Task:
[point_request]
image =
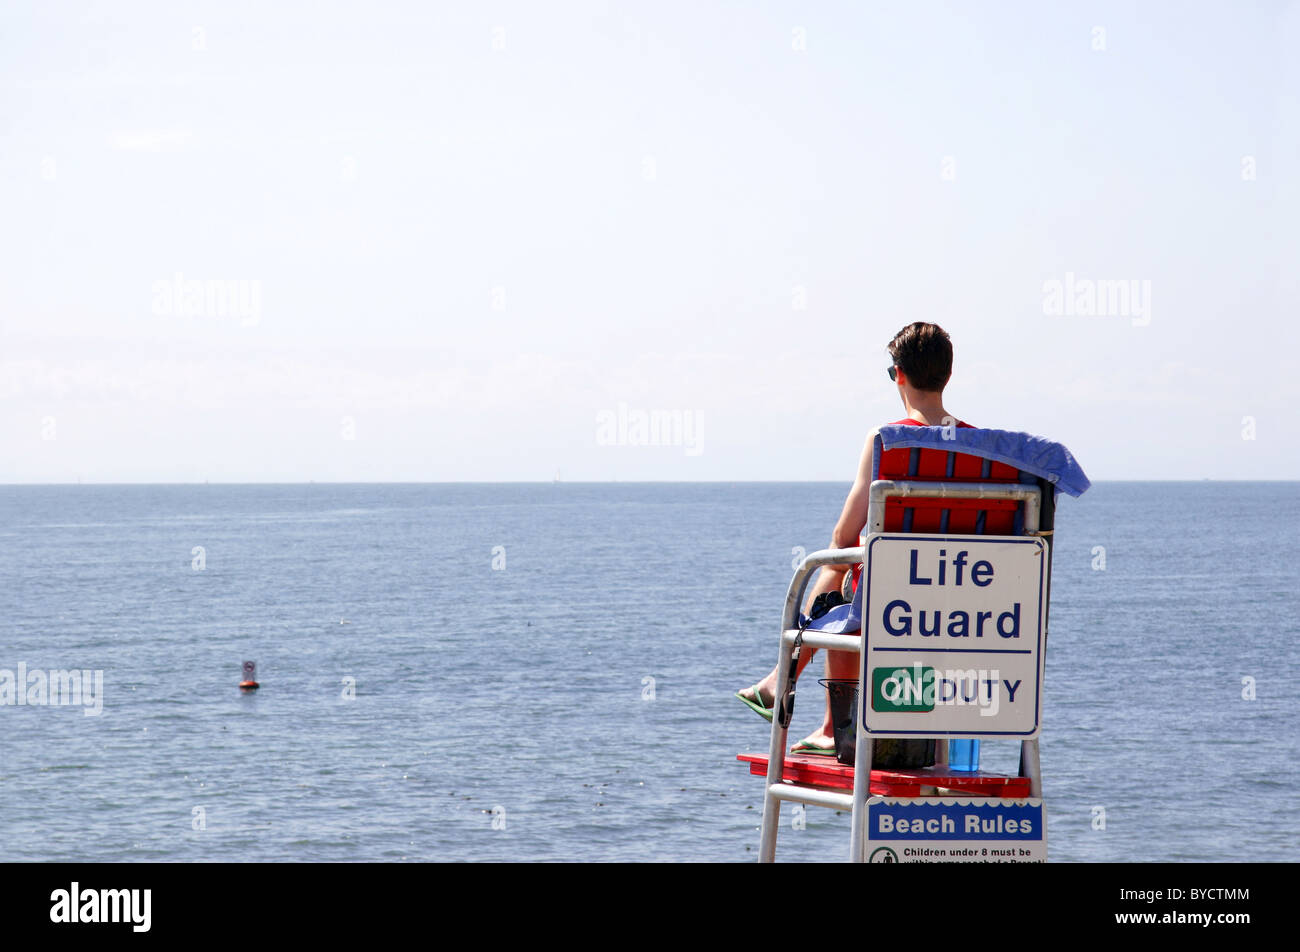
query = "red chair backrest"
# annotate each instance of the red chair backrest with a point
(949, 516)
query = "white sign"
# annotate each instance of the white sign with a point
(953, 830)
(954, 630)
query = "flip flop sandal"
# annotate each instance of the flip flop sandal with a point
(755, 703)
(805, 748)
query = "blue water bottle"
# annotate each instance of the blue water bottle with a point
(964, 755)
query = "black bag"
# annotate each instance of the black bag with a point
(888, 753)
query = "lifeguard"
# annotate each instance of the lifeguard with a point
(921, 366)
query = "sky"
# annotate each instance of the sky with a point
(248, 242)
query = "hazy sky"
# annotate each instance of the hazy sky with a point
(485, 241)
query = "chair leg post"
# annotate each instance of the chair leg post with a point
(1031, 768)
(775, 760)
(861, 794)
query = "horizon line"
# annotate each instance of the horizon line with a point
(571, 482)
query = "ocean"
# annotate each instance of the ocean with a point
(537, 672)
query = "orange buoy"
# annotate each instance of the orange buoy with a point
(250, 677)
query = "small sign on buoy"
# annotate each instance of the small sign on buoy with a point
(250, 677)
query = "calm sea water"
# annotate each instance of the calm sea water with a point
(572, 703)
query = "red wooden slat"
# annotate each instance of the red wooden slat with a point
(932, 465)
(967, 468)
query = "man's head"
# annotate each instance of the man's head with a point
(924, 353)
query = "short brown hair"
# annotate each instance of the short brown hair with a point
(923, 352)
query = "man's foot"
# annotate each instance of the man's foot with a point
(753, 698)
(815, 744)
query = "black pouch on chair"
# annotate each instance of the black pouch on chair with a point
(825, 602)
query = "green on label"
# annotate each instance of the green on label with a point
(905, 690)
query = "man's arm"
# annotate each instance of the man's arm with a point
(854, 515)
(847, 530)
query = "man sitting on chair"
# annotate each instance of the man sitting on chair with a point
(922, 364)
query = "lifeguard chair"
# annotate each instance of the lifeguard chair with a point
(958, 519)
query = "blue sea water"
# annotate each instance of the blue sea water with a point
(536, 678)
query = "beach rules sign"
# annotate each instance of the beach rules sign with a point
(954, 629)
(955, 830)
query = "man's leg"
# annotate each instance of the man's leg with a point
(840, 666)
(829, 579)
